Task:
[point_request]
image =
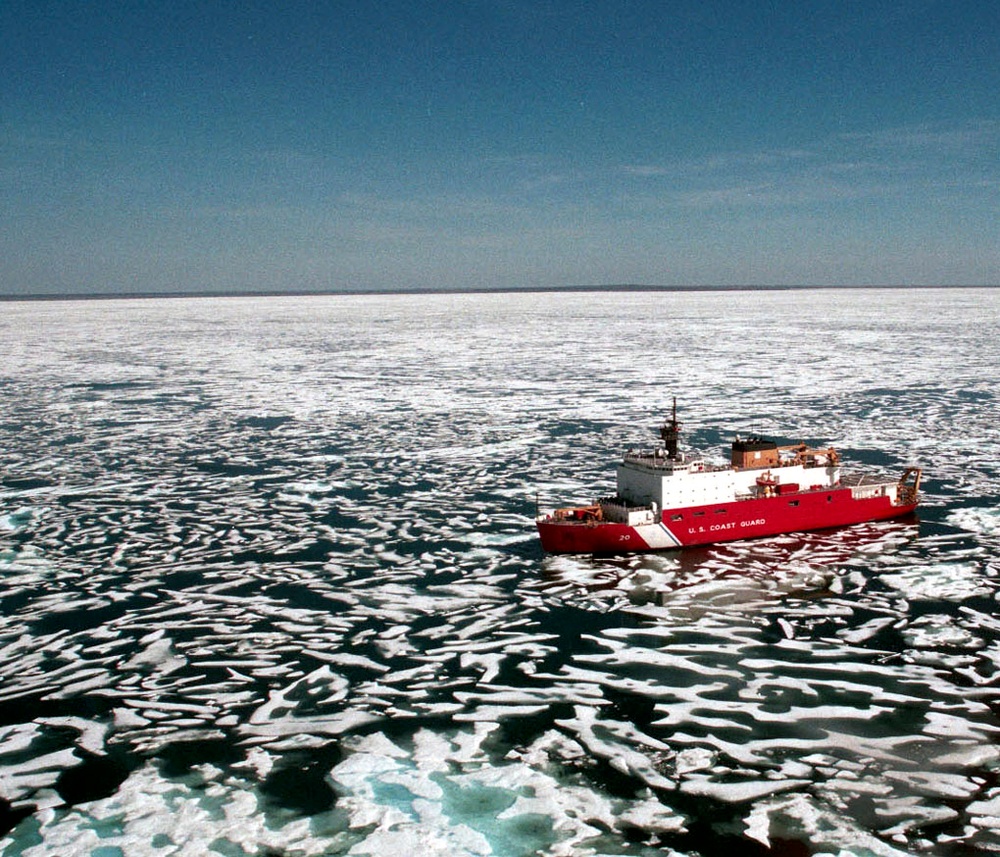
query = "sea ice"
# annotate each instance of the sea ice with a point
(802, 818)
(951, 581)
(351, 491)
(978, 520)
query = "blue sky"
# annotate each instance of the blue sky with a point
(244, 145)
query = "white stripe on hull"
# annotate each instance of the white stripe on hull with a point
(657, 536)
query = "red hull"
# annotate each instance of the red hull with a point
(722, 522)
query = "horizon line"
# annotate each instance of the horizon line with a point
(444, 290)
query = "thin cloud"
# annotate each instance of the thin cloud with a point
(972, 137)
(845, 167)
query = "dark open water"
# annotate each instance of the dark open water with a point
(269, 584)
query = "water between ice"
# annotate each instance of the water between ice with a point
(269, 582)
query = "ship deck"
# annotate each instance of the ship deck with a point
(656, 460)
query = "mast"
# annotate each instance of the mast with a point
(670, 431)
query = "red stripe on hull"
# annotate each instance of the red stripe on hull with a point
(748, 519)
(722, 522)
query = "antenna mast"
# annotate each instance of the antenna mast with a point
(670, 431)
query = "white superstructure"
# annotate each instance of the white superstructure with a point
(645, 478)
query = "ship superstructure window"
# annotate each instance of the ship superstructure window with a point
(721, 511)
(793, 502)
(699, 514)
(676, 517)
